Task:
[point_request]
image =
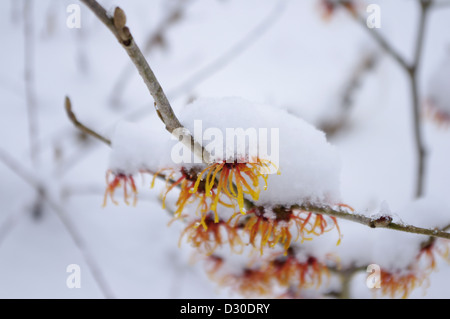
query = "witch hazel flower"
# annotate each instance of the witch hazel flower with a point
(401, 282)
(233, 179)
(126, 181)
(240, 197)
(192, 189)
(329, 7)
(212, 235)
(288, 270)
(275, 273)
(219, 183)
(309, 165)
(269, 227)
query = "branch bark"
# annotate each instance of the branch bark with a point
(413, 76)
(155, 39)
(373, 223)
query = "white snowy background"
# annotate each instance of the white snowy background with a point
(297, 62)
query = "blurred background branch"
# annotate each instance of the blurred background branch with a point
(70, 227)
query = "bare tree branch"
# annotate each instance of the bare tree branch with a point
(373, 223)
(15, 11)
(364, 220)
(361, 219)
(334, 124)
(117, 25)
(70, 227)
(208, 70)
(155, 39)
(413, 76)
(382, 42)
(33, 128)
(411, 70)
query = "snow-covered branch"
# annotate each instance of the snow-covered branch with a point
(381, 222)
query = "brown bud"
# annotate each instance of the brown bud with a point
(120, 19)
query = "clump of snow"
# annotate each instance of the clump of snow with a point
(384, 214)
(385, 210)
(309, 165)
(137, 147)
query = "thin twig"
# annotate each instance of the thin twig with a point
(373, 223)
(33, 128)
(117, 25)
(440, 5)
(413, 76)
(334, 124)
(70, 227)
(124, 37)
(207, 71)
(364, 220)
(81, 126)
(79, 241)
(411, 71)
(8, 225)
(431, 240)
(30, 94)
(15, 11)
(14, 166)
(82, 58)
(346, 277)
(223, 60)
(382, 42)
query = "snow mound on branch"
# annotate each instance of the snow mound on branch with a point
(139, 147)
(309, 165)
